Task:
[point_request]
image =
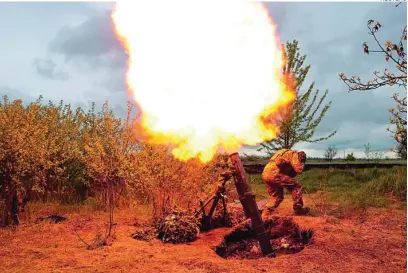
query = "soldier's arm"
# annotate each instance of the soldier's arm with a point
(279, 161)
(296, 164)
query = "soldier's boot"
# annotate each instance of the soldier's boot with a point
(301, 211)
(269, 210)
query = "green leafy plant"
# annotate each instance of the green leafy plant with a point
(299, 120)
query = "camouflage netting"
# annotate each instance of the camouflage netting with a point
(177, 226)
(180, 226)
(286, 237)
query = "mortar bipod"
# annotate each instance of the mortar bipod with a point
(219, 194)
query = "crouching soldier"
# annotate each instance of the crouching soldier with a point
(280, 174)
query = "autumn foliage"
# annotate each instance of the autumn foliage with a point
(56, 153)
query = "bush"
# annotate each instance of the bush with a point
(159, 179)
(350, 157)
(56, 153)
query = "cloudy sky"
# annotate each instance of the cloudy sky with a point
(67, 51)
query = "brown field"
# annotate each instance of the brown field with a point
(373, 242)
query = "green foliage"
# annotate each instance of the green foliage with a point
(350, 157)
(298, 121)
(330, 153)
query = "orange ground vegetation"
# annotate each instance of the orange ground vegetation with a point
(373, 243)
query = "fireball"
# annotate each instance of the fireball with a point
(206, 75)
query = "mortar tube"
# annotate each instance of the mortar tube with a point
(248, 202)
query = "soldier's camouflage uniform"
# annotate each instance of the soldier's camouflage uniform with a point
(280, 173)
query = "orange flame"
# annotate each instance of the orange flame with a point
(205, 75)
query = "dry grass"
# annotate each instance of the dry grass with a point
(375, 243)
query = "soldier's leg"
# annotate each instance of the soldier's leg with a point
(297, 197)
(275, 190)
(295, 188)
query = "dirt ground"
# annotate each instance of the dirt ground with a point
(375, 242)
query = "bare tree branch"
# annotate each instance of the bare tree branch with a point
(396, 53)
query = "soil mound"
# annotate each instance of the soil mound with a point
(286, 237)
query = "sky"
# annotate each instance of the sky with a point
(68, 51)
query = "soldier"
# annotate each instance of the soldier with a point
(280, 173)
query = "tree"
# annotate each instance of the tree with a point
(372, 155)
(393, 53)
(330, 153)
(377, 156)
(22, 153)
(64, 170)
(105, 154)
(402, 150)
(350, 157)
(367, 151)
(299, 120)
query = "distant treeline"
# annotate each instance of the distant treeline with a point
(256, 168)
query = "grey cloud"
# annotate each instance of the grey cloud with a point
(92, 46)
(370, 107)
(49, 69)
(114, 81)
(335, 56)
(92, 42)
(354, 115)
(353, 135)
(345, 51)
(356, 106)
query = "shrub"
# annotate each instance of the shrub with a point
(350, 157)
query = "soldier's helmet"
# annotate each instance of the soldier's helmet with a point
(302, 156)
